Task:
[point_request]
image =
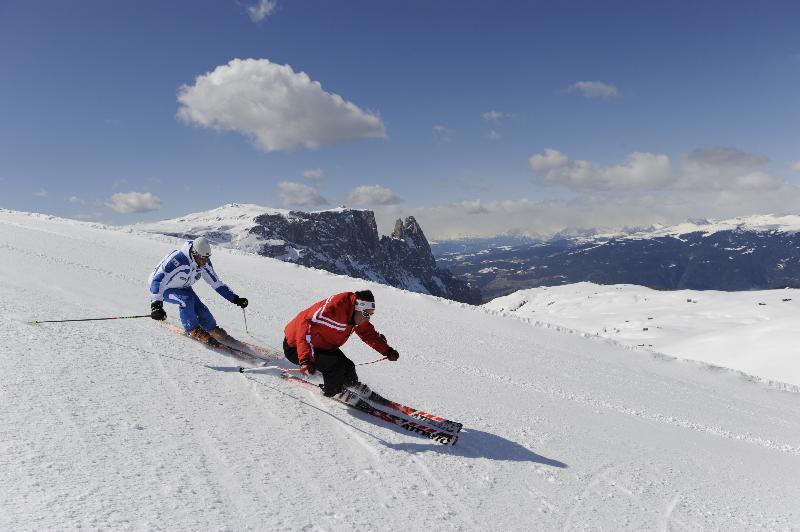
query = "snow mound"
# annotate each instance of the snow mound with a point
(753, 332)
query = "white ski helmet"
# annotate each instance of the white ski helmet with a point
(201, 247)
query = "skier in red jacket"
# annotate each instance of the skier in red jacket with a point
(314, 336)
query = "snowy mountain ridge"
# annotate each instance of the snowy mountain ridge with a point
(749, 253)
(341, 240)
(789, 223)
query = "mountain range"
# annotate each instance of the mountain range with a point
(748, 253)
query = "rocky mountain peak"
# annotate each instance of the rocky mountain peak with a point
(343, 241)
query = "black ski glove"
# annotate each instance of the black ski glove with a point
(308, 366)
(157, 310)
(392, 354)
(241, 301)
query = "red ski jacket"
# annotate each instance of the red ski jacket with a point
(326, 325)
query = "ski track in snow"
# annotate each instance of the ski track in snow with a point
(127, 425)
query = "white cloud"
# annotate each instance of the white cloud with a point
(299, 195)
(472, 207)
(274, 106)
(315, 175)
(723, 168)
(642, 190)
(795, 166)
(546, 217)
(262, 9)
(41, 193)
(76, 200)
(443, 134)
(373, 195)
(494, 116)
(717, 168)
(638, 170)
(595, 89)
(133, 202)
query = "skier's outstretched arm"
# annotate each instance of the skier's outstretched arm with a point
(366, 331)
(211, 277)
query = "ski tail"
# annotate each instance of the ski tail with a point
(250, 353)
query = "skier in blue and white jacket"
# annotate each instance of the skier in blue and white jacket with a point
(172, 281)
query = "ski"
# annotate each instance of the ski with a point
(431, 419)
(244, 351)
(263, 354)
(353, 400)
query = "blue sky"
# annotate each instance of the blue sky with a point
(478, 118)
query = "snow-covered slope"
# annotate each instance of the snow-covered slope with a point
(126, 425)
(755, 332)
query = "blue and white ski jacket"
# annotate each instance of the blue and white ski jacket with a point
(179, 270)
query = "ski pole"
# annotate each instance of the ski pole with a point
(35, 322)
(365, 363)
(255, 370)
(249, 370)
(245, 321)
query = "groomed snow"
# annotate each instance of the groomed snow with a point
(755, 332)
(125, 425)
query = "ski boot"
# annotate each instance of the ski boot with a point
(220, 335)
(199, 334)
(360, 389)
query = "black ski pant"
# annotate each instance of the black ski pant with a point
(337, 370)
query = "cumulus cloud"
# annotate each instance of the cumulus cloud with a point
(638, 170)
(595, 89)
(261, 10)
(315, 175)
(373, 195)
(443, 134)
(543, 218)
(471, 207)
(299, 195)
(274, 106)
(133, 202)
(494, 116)
(642, 190)
(723, 168)
(716, 168)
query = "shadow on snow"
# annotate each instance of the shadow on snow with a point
(472, 443)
